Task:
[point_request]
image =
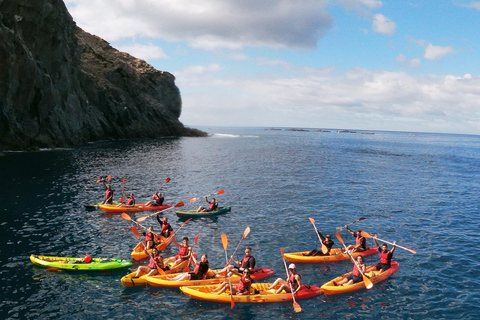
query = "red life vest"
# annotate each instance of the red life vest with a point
(293, 282)
(156, 260)
(211, 206)
(358, 240)
(130, 202)
(182, 251)
(197, 267)
(108, 194)
(149, 237)
(355, 271)
(165, 227)
(242, 284)
(385, 257)
(244, 263)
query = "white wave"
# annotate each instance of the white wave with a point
(226, 135)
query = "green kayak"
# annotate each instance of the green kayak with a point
(193, 213)
(79, 264)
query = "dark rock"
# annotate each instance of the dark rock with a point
(61, 86)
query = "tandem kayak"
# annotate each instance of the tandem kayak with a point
(78, 264)
(336, 254)
(375, 276)
(130, 281)
(194, 213)
(135, 208)
(139, 253)
(167, 280)
(264, 295)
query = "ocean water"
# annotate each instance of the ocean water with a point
(421, 190)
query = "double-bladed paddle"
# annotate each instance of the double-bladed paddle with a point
(245, 233)
(324, 247)
(360, 219)
(225, 245)
(366, 235)
(218, 192)
(187, 268)
(180, 204)
(137, 234)
(296, 306)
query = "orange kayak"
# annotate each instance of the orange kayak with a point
(375, 276)
(130, 281)
(112, 208)
(139, 253)
(336, 254)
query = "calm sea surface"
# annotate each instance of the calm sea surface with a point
(421, 190)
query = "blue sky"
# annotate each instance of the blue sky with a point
(350, 64)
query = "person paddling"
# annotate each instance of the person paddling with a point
(157, 200)
(355, 276)
(184, 251)
(242, 288)
(156, 260)
(108, 193)
(294, 280)
(212, 205)
(166, 227)
(327, 241)
(149, 237)
(385, 257)
(360, 241)
(200, 270)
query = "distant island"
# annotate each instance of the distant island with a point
(62, 86)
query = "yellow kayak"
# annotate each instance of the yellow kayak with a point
(130, 281)
(336, 254)
(263, 296)
(330, 288)
(138, 253)
(211, 278)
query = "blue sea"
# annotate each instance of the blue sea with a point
(419, 189)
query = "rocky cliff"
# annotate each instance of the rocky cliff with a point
(61, 86)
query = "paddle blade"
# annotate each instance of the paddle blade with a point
(232, 304)
(186, 222)
(98, 181)
(193, 199)
(368, 282)
(167, 180)
(123, 180)
(297, 307)
(109, 177)
(180, 204)
(339, 237)
(142, 218)
(224, 241)
(361, 219)
(246, 232)
(135, 232)
(122, 199)
(281, 250)
(196, 239)
(126, 216)
(220, 192)
(365, 234)
(53, 270)
(312, 221)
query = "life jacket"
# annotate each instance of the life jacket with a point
(149, 236)
(182, 251)
(242, 284)
(211, 206)
(165, 227)
(293, 282)
(358, 240)
(154, 261)
(159, 201)
(196, 270)
(108, 193)
(130, 202)
(356, 271)
(385, 257)
(245, 263)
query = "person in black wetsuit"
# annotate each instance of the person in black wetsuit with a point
(327, 241)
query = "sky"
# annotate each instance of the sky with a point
(397, 65)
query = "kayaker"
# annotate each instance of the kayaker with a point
(108, 193)
(184, 251)
(157, 200)
(355, 276)
(327, 241)
(130, 201)
(156, 261)
(166, 227)
(242, 288)
(385, 257)
(199, 272)
(360, 241)
(248, 262)
(212, 205)
(294, 279)
(149, 236)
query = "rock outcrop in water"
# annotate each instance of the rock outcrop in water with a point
(61, 86)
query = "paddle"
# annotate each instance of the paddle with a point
(135, 232)
(324, 247)
(296, 306)
(366, 235)
(175, 235)
(225, 245)
(218, 192)
(108, 178)
(366, 280)
(245, 233)
(166, 181)
(360, 219)
(123, 191)
(180, 204)
(186, 269)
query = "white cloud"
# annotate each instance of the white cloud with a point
(145, 52)
(414, 63)
(372, 4)
(384, 25)
(207, 24)
(473, 4)
(437, 52)
(359, 99)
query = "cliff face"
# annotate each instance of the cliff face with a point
(61, 86)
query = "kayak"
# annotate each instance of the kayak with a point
(263, 296)
(139, 253)
(78, 264)
(330, 288)
(94, 206)
(194, 213)
(130, 281)
(167, 280)
(336, 254)
(135, 208)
